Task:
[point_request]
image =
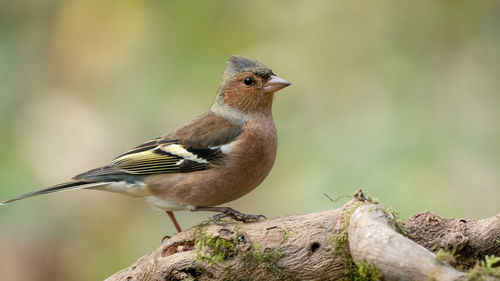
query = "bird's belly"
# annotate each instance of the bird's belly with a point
(137, 189)
(164, 204)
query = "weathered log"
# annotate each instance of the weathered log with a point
(468, 239)
(360, 241)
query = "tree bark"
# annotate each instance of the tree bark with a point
(362, 240)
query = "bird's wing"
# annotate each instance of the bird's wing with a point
(167, 157)
(163, 155)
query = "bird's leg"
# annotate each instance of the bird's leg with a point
(174, 221)
(227, 212)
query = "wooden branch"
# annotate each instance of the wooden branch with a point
(359, 240)
(468, 239)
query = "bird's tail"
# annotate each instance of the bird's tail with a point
(72, 185)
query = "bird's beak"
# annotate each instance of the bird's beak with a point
(275, 83)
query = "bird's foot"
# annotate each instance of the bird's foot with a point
(227, 212)
(237, 216)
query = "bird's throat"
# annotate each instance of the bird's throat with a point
(233, 115)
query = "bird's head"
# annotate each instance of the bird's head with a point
(248, 85)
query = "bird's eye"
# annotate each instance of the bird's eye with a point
(248, 81)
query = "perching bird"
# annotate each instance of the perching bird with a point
(216, 158)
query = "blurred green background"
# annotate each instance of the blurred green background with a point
(399, 98)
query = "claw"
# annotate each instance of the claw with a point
(228, 212)
(237, 216)
(216, 218)
(165, 237)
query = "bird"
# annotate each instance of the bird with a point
(220, 156)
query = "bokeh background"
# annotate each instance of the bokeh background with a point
(400, 98)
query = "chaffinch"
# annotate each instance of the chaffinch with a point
(216, 158)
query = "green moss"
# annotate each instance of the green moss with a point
(367, 272)
(286, 234)
(397, 221)
(444, 256)
(485, 268)
(489, 261)
(266, 260)
(338, 241)
(213, 249)
(339, 244)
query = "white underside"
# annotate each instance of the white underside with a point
(139, 189)
(162, 204)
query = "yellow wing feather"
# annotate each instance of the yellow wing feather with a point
(164, 158)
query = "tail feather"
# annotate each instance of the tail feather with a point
(72, 185)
